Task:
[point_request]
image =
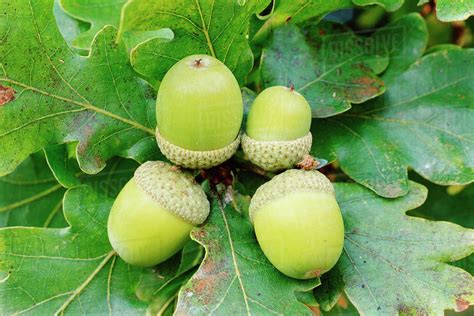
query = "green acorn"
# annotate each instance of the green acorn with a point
(298, 223)
(199, 111)
(278, 129)
(154, 213)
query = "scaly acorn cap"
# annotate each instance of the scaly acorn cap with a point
(196, 159)
(174, 190)
(276, 155)
(290, 181)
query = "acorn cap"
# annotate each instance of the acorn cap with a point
(196, 159)
(174, 190)
(276, 155)
(290, 181)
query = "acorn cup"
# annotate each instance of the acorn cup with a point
(154, 213)
(199, 112)
(298, 224)
(278, 133)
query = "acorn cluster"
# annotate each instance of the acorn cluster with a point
(199, 112)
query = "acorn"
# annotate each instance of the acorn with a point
(154, 213)
(298, 223)
(278, 133)
(199, 112)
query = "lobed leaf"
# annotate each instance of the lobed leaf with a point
(452, 10)
(294, 12)
(217, 28)
(389, 5)
(326, 63)
(75, 270)
(62, 162)
(380, 276)
(67, 172)
(426, 126)
(59, 96)
(456, 207)
(30, 196)
(69, 27)
(97, 14)
(394, 264)
(235, 277)
(446, 10)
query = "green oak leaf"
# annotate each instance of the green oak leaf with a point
(69, 27)
(113, 178)
(427, 126)
(326, 63)
(307, 298)
(97, 13)
(389, 5)
(164, 300)
(74, 269)
(63, 97)
(294, 12)
(217, 28)
(331, 289)
(457, 207)
(441, 47)
(393, 263)
(446, 10)
(108, 182)
(452, 10)
(30, 196)
(86, 270)
(161, 288)
(343, 308)
(405, 41)
(235, 277)
(62, 162)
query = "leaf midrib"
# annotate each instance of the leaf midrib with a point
(205, 29)
(30, 199)
(234, 259)
(86, 282)
(86, 106)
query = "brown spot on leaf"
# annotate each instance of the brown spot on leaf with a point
(461, 305)
(363, 80)
(288, 19)
(199, 234)
(342, 302)
(7, 94)
(98, 160)
(313, 274)
(368, 87)
(314, 310)
(205, 283)
(200, 286)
